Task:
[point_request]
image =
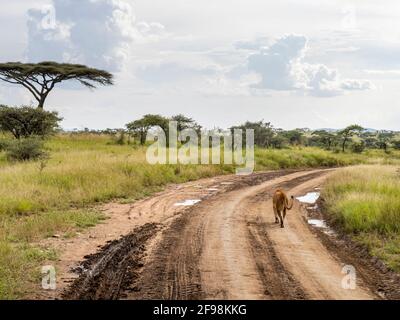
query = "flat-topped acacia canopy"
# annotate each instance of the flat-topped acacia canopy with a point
(41, 78)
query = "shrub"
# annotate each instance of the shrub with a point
(120, 138)
(358, 147)
(25, 121)
(25, 149)
(3, 144)
(396, 144)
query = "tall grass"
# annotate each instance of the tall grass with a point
(304, 158)
(365, 202)
(82, 172)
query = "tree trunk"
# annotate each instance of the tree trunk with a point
(143, 138)
(41, 103)
(42, 99)
(344, 144)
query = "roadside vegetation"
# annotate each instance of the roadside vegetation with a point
(364, 201)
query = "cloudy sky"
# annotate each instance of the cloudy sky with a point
(294, 63)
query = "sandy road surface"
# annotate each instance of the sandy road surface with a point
(225, 247)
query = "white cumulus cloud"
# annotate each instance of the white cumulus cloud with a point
(94, 32)
(282, 67)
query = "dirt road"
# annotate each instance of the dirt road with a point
(225, 246)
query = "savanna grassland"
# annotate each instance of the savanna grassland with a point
(365, 202)
(58, 195)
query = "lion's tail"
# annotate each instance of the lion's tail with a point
(288, 207)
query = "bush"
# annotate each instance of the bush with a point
(119, 138)
(25, 149)
(358, 147)
(396, 144)
(26, 122)
(3, 144)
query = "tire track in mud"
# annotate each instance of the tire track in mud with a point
(114, 267)
(174, 273)
(278, 283)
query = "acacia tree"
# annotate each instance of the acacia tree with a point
(325, 137)
(384, 138)
(295, 137)
(370, 139)
(348, 132)
(41, 78)
(184, 122)
(263, 132)
(142, 126)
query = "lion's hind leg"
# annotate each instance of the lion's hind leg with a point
(280, 213)
(276, 215)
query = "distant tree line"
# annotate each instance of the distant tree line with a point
(28, 123)
(353, 138)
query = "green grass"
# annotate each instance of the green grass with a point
(36, 227)
(308, 157)
(19, 268)
(39, 199)
(365, 202)
(20, 258)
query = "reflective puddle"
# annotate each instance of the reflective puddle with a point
(318, 223)
(321, 224)
(309, 198)
(187, 203)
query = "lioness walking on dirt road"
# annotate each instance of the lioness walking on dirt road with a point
(281, 204)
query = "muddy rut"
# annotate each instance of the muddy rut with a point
(226, 246)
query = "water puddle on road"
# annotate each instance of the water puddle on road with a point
(187, 203)
(318, 223)
(321, 224)
(309, 198)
